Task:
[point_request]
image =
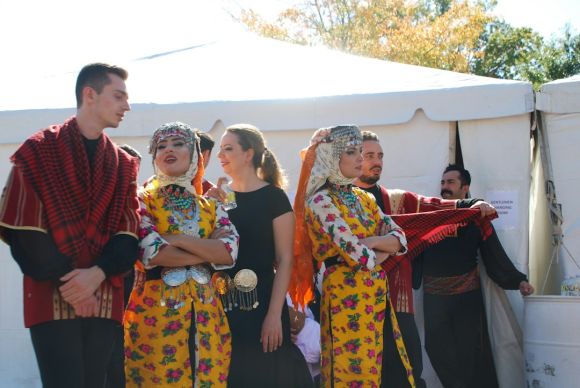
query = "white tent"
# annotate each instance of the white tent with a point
(550, 340)
(288, 91)
(559, 106)
(556, 180)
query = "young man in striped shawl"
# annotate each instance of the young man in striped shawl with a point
(69, 214)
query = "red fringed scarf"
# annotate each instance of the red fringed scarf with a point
(425, 229)
(400, 278)
(83, 205)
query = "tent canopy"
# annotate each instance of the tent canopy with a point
(560, 96)
(284, 86)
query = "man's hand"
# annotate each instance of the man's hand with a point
(526, 288)
(485, 208)
(87, 308)
(80, 284)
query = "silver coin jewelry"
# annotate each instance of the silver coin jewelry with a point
(245, 283)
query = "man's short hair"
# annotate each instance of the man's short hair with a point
(369, 136)
(464, 175)
(130, 150)
(206, 142)
(96, 76)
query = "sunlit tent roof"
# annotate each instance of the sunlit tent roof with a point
(560, 96)
(281, 85)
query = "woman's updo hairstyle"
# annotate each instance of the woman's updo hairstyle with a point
(264, 160)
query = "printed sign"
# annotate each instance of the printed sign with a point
(506, 204)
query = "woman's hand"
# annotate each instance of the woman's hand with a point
(171, 238)
(381, 257)
(371, 242)
(319, 135)
(383, 229)
(219, 233)
(388, 243)
(271, 337)
(216, 192)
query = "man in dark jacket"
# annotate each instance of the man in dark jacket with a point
(456, 337)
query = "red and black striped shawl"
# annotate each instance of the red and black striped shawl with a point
(53, 188)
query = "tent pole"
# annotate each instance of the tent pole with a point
(550, 190)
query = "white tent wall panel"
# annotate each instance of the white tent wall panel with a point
(18, 125)
(497, 153)
(17, 362)
(563, 131)
(11, 309)
(416, 153)
(18, 366)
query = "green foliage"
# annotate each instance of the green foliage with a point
(507, 52)
(522, 54)
(458, 35)
(562, 57)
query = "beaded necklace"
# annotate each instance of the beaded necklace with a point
(346, 195)
(183, 207)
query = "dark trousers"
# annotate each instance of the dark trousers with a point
(457, 341)
(393, 373)
(116, 369)
(74, 353)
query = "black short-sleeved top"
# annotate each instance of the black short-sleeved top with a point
(250, 366)
(253, 217)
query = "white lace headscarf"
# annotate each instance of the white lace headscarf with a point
(190, 137)
(332, 142)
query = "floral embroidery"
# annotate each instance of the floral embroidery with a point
(354, 294)
(156, 337)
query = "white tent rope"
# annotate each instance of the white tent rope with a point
(556, 255)
(570, 254)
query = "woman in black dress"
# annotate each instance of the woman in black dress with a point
(263, 354)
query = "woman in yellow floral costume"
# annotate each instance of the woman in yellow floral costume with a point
(343, 227)
(176, 332)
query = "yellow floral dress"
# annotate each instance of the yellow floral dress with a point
(158, 318)
(355, 294)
